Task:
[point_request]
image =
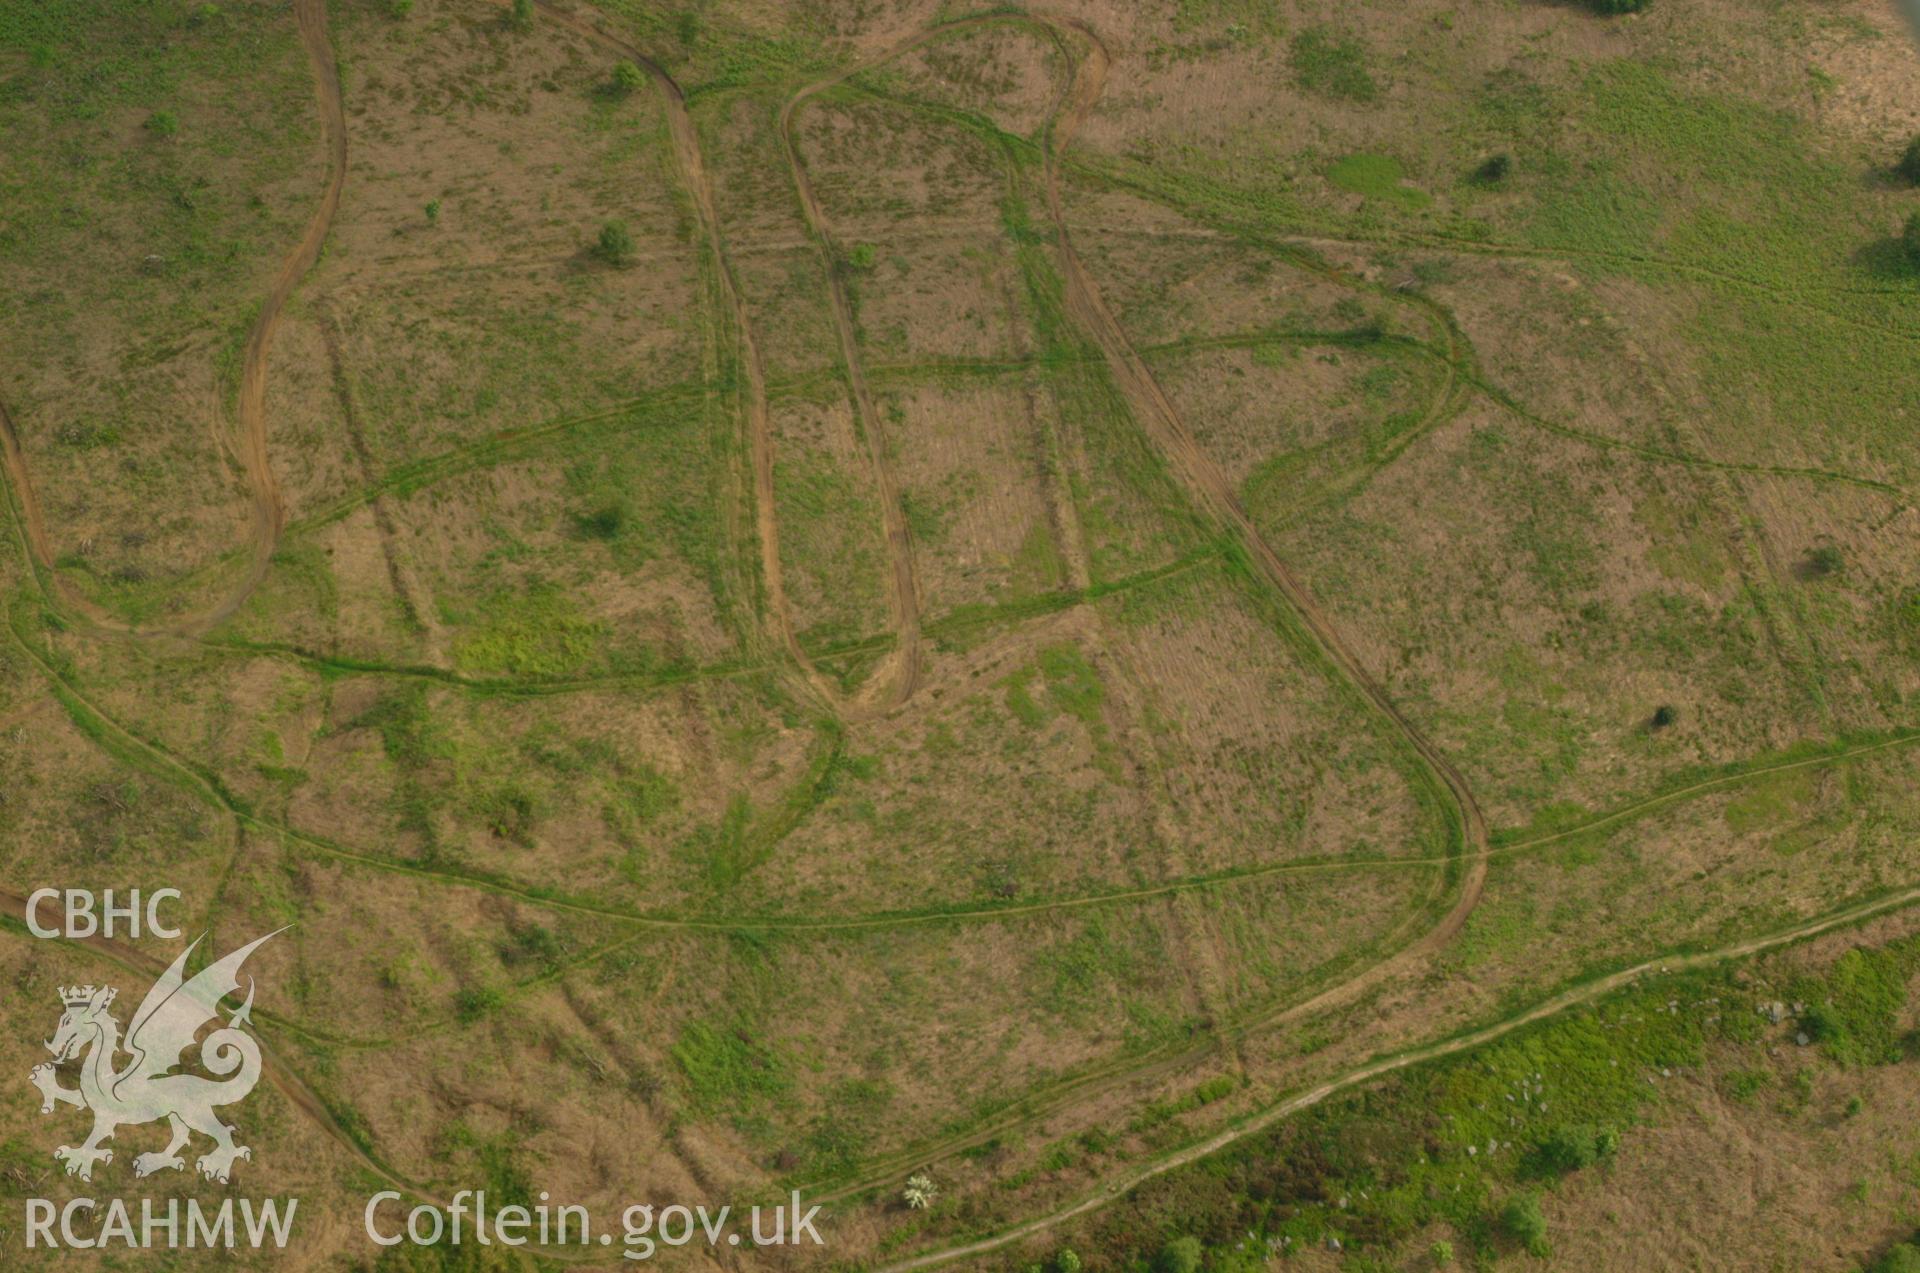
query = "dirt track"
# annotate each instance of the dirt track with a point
(699, 188)
(16, 465)
(1211, 488)
(895, 683)
(1386, 1065)
(268, 512)
(1155, 411)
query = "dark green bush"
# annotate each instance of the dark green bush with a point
(1182, 1255)
(1856, 1018)
(1823, 561)
(627, 77)
(1568, 1149)
(1523, 1221)
(1493, 171)
(1909, 165)
(602, 523)
(615, 245)
(1904, 1258)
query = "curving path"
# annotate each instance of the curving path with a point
(900, 674)
(268, 510)
(1276, 1113)
(1211, 488)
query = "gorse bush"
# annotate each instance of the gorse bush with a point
(1909, 165)
(1857, 1018)
(1824, 561)
(615, 245)
(1901, 1258)
(1618, 6)
(1493, 171)
(1182, 1255)
(1567, 1149)
(1523, 1221)
(627, 78)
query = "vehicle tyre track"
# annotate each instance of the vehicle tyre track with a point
(268, 509)
(895, 682)
(1210, 486)
(1284, 1109)
(699, 187)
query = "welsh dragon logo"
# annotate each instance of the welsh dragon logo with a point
(143, 1089)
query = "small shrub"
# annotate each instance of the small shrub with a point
(1823, 561)
(1493, 171)
(1856, 1018)
(1902, 1258)
(1619, 6)
(520, 16)
(1441, 1253)
(627, 78)
(604, 523)
(1573, 1148)
(1910, 239)
(1523, 1221)
(1663, 716)
(399, 8)
(1909, 165)
(615, 245)
(1067, 1261)
(163, 124)
(471, 1004)
(1182, 1255)
(433, 212)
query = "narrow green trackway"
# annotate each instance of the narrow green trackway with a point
(1281, 1110)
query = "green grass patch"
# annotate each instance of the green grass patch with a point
(1377, 177)
(538, 632)
(1332, 65)
(727, 1067)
